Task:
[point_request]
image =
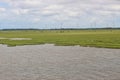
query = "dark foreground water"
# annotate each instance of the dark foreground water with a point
(49, 62)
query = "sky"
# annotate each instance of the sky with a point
(47, 14)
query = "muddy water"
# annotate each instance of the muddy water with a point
(49, 62)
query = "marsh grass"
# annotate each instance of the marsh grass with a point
(91, 38)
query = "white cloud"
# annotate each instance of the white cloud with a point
(52, 10)
(115, 7)
(73, 13)
(61, 9)
(57, 6)
(36, 20)
(2, 9)
(20, 11)
(54, 7)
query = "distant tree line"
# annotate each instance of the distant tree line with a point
(62, 29)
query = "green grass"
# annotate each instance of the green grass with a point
(92, 38)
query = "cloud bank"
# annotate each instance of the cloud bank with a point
(63, 11)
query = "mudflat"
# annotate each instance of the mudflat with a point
(49, 62)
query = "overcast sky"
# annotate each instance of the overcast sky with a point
(59, 13)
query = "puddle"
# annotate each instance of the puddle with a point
(2, 38)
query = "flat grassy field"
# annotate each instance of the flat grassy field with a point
(92, 38)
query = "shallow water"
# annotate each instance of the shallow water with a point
(49, 62)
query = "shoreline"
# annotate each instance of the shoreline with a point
(29, 45)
